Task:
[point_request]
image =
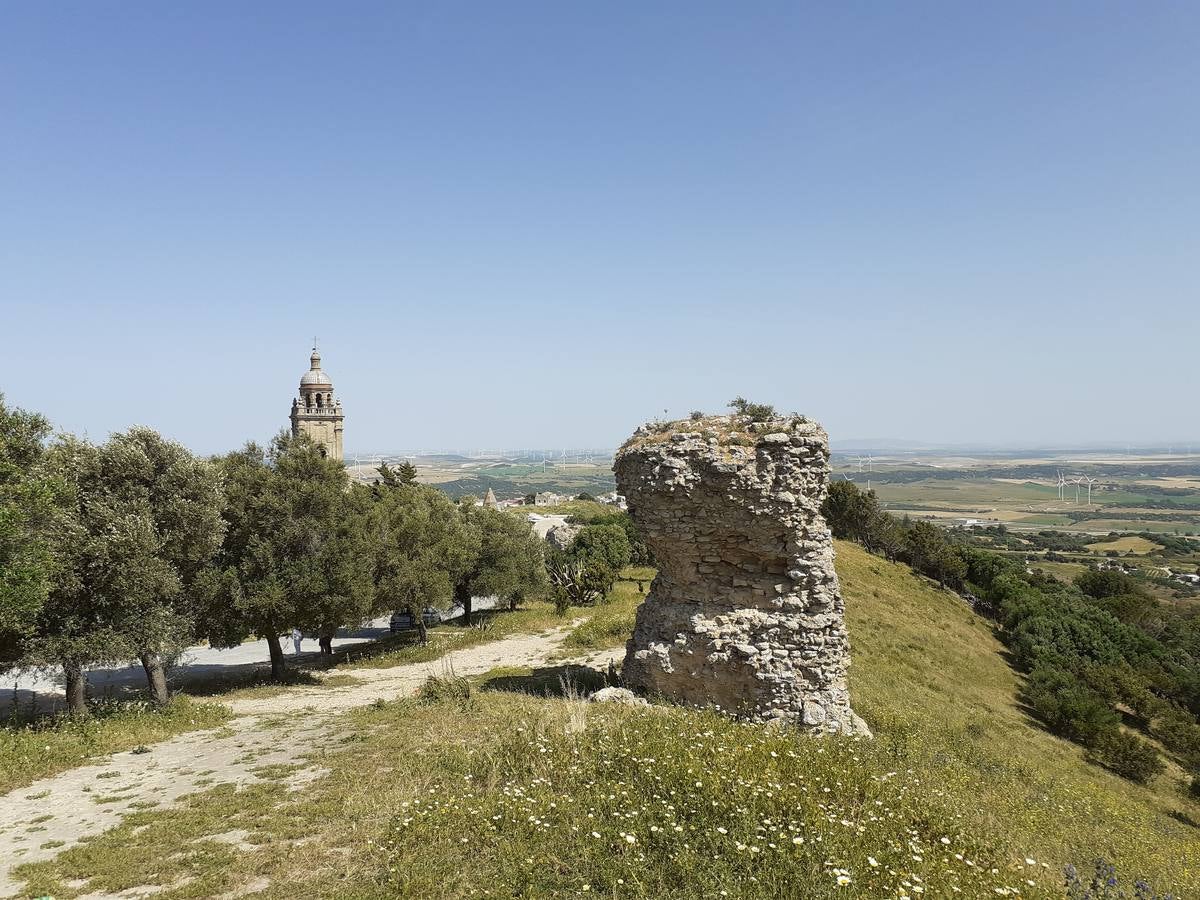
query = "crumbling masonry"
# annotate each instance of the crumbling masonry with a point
(746, 613)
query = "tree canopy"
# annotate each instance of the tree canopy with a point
(31, 498)
(509, 564)
(296, 554)
(423, 549)
(144, 519)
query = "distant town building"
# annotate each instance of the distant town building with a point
(316, 413)
(547, 498)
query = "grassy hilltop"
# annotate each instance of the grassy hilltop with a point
(492, 788)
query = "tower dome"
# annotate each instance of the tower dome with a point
(315, 375)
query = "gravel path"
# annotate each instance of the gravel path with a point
(198, 664)
(66, 807)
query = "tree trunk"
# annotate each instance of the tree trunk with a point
(278, 667)
(462, 597)
(422, 631)
(156, 677)
(76, 689)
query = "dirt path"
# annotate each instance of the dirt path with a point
(41, 820)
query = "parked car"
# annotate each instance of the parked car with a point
(402, 621)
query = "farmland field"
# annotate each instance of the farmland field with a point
(507, 478)
(1135, 496)
(1144, 510)
(1128, 544)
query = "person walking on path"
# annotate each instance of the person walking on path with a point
(325, 639)
(297, 636)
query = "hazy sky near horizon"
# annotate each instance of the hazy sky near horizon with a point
(539, 224)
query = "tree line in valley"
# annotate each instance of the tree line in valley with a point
(1107, 664)
(135, 549)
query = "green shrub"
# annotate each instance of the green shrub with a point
(755, 412)
(607, 544)
(1179, 733)
(1127, 755)
(1067, 706)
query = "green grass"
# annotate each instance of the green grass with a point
(611, 623)
(504, 793)
(928, 671)
(48, 746)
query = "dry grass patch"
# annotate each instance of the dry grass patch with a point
(1131, 543)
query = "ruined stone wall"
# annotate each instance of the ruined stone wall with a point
(746, 613)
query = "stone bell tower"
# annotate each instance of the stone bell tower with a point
(315, 412)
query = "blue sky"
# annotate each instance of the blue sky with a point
(540, 224)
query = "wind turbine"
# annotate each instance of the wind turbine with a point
(1062, 483)
(1090, 482)
(1077, 482)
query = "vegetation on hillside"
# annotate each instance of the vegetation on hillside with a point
(1104, 658)
(491, 788)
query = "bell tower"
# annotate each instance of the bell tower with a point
(315, 412)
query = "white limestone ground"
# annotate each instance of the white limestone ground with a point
(281, 729)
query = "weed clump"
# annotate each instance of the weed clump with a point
(446, 688)
(755, 412)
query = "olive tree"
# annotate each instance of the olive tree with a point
(423, 548)
(31, 499)
(295, 553)
(509, 564)
(142, 520)
(175, 500)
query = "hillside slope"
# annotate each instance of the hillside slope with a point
(931, 676)
(512, 786)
